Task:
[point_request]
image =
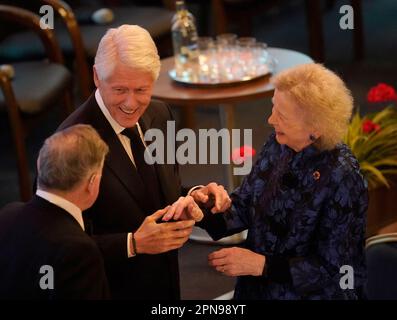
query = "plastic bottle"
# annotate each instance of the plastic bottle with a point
(184, 40)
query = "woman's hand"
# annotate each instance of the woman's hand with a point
(237, 262)
(213, 196)
(185, 208)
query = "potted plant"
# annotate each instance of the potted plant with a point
(373, 140)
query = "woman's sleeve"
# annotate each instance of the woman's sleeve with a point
(237, 218)
(339, 242)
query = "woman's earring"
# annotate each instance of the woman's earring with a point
(312, 137)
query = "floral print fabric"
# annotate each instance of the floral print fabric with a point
(308, 210)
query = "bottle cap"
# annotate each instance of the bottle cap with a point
(103, 16)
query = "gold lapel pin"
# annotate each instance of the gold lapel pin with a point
(316, 175)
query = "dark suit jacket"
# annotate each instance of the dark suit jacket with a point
(39, 233)
(121, 208)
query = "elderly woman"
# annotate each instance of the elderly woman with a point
(304, 202)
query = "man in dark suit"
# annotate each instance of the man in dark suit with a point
(44, 251)
(140, 253)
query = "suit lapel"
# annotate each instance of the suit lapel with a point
(117, 160)
(165, 172)
(120, 164)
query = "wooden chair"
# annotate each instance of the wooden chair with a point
(30, 47)
(73, 28)
(315, 28)
(79, 40)
(227, 11)
(36, 87)
(155, 19)
(381, 255)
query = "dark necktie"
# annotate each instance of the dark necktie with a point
(146, 171)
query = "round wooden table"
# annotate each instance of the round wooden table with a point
(188, 98)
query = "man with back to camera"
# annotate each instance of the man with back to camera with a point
(44, 251)
(140, 254)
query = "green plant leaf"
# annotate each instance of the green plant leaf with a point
(375, 177)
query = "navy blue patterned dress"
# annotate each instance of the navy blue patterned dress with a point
(306, 212)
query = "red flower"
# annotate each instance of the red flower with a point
(239, 155)
(381, 93)
(368, 126)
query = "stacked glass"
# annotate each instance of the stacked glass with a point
(228, 59)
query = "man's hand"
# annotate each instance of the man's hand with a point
(237, 262)
(213, 196)
(185, 208)
(154, 238)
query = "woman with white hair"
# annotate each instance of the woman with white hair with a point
(304, 202)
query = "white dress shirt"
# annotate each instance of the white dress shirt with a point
(125, 141)
(66, 205)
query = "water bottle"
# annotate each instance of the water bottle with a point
(184, 40)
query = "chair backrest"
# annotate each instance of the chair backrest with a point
(32, 21)
(381, 238)
(67, 15)
(20, 125)
(17, 128)
(381, 255)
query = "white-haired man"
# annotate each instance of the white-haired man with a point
(44, 251)
(140, 254)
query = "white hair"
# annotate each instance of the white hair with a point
(131, 45)
(324, 98)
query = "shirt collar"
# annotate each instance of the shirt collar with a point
(66, 205)
(115, 125)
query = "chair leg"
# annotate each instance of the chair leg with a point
(18, 134)
(164, 46)
(246, 26)
(219, 16)
(315, 27)
(25, 184)
(85, 81)
(68, 105)
(329, 4)
(358, 34)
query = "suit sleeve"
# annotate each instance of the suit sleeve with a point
(184, 190)
(339, 242)
(112, 246)
(80, 273)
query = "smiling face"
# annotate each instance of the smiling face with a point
(126, 93)
(288, 121)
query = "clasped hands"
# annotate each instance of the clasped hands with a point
(154, 237)
(212, 196)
